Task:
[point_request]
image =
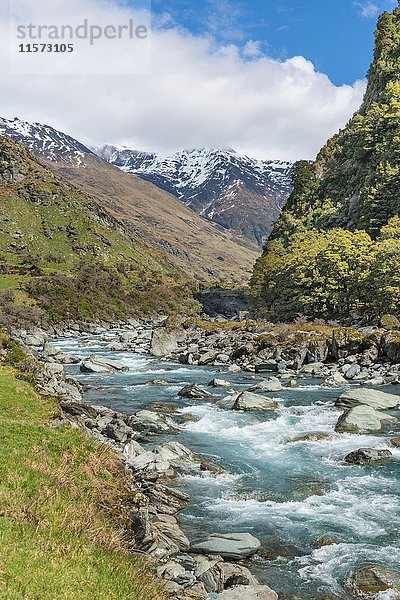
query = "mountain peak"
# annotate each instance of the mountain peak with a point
(236, 191)
(44, 140)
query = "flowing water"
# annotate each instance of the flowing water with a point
(317, 518)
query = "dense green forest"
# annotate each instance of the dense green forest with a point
(335, 251)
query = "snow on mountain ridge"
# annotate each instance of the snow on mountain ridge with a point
(206, 179)
(44, 140)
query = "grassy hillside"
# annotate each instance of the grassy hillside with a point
(61, 252)
(335, 251)
(201, 249)
(57, 489)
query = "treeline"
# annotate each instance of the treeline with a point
(336, 248)
(332, 274)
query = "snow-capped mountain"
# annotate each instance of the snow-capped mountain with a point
(236, 191)
(44, 141)
(239, 193)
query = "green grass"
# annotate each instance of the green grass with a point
(55, 540)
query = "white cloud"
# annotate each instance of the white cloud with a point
(368, 10)
(197, 94)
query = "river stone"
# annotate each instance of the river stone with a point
(272, 384)
(335, 380)
(219, 383)
(195, 392)
(249, 592)
(176, 454)
(373, 398)
(395, 442)
(174, 533)
(372, 580)
(234, 546)
(152, 422)
(352, 371)
(228, 402)
(165, 341)
(132, 450)
(98, 364)
(366, 456)
(249, 401)
(313, 436)
(360, 419)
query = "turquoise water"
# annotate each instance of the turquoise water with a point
(289, 495)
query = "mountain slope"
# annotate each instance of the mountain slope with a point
(193, 245)
(237, 192)
(335, 249)
(62, 256)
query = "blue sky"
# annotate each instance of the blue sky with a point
(336, 36)
(273, 79)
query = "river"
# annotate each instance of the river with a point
(317, 517)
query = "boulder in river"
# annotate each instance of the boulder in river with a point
(148, 421)
(373, 398)
(372, 580)
(165, 341)
(195, 392)
(250, 401)
(271, 384)
(98, 364)
(360, 419)
(335, 380)
(235, 546)
(367, 456)
(248, 592)
(219, 383)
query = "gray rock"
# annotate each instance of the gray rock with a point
(272, 384)
(118, 431)
(228, 402)
(128, 337)
(219, 383)
(292, 383)
(335, 380)
(360, 419)
(373, 398)
(165, 341)
(194, 391)
(98, 364)
(249, 592)
(132, 450)
(151, 422)
(208, 357)
(176, 454)
(234, 546)
(174, 533)
(366, 456)
(249, 401)
(352, 371)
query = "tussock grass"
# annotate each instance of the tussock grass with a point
(62, 500)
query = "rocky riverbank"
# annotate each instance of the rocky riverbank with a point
(210, 566)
